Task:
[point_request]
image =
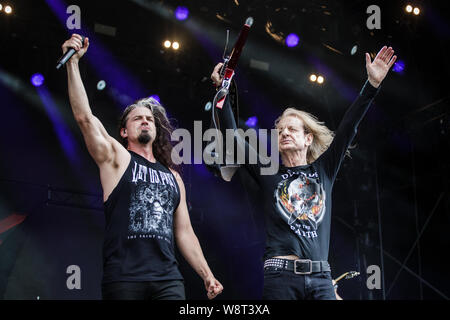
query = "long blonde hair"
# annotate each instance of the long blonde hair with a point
(322, 136)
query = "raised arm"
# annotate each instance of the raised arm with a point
(376, 72)
(98, 142)
(379, 68)
(189, 246)
(255, 155)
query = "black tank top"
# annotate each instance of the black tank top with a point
(139, 240)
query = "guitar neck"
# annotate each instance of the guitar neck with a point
(341, 277)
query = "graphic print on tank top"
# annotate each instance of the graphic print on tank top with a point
(152, 204)
(300, 200)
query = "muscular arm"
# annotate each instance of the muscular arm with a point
(189, 246)
(100, 145)
(97, 140)
(110, 156)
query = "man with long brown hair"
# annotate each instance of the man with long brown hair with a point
(144, 198)
(298, 197)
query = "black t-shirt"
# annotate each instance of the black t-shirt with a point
(139, 240)
(297, 201)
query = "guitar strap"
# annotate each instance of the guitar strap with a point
(222, 119)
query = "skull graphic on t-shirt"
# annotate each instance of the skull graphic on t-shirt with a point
(301, 199)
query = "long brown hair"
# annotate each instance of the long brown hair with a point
(162, 146)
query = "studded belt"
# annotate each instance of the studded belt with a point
(300, 266)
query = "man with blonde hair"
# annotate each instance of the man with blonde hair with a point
(298, 196)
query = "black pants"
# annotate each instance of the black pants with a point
(286, 285)
(146, 290)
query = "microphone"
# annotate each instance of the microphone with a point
(68, 55)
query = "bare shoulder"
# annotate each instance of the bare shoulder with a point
(176, 174)
(121, 157)
(113, 169)
(178, 177)
(182, 207)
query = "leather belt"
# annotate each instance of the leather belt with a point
(300, 266)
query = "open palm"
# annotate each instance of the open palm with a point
(378, 69)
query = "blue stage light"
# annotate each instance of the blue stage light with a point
(37, 79)
(292, 40)
(252, 122)
(181, 13)
(156, 97)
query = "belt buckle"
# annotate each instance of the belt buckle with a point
(303, 260)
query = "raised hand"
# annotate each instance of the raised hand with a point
(215, 76)
(378, 69)
(75, 42)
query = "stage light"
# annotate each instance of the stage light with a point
(416, 11)
(252, 122)
(101, 85)
(320, 79)
(1, 7)
(313, 78)
(167, 44)
(208, 106)
(181, 13)
(399, 66)
(409, 8)
(156, 97)
(292, 40)
(354, 50)
(37, 79)
(175, 45)
(8, 9)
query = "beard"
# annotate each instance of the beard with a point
(144, 138)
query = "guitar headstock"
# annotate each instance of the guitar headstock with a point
(352, 274)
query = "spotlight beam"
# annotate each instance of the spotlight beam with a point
(40, 97)
(26, 91)
(103, 61)
(65, 136)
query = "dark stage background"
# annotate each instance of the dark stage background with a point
(390, 201)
